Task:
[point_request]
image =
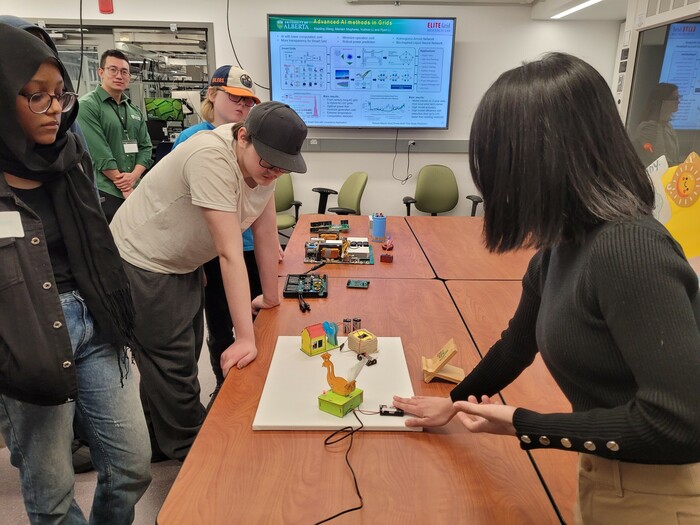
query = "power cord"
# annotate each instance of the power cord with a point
(393, 162)
(316, 267)
(303, 305)
(345, 432)
(233, 48)
(82, 50)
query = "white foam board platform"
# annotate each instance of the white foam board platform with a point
(294, 381)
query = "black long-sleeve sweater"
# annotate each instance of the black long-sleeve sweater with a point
(617, 321)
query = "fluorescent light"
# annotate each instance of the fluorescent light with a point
(574, 9)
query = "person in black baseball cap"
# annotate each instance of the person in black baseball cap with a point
(192, 207)
(277, 133)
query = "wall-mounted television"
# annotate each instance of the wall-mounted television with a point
(363, 72)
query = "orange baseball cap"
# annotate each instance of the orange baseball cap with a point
(235, 81)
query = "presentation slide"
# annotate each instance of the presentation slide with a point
(681, 66)
(363, 72)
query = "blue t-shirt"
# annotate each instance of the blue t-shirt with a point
(182, 137)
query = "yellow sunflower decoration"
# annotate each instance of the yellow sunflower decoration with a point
(681, 186)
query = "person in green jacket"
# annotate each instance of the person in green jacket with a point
(116, 133)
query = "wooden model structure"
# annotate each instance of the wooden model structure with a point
(314, 340)
(362, 341)
(343, 396)
(339, 385)
(437, 366)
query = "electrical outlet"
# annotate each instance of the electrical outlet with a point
(411, 142)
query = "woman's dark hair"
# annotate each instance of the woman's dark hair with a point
(550, 156)
(661, 93)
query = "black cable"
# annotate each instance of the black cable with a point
(316, 267)
(230, 39)
(396, 152)
(346, 432)
(82, 49)
(393, 162)
(303, 305)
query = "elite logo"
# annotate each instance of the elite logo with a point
(246, 81)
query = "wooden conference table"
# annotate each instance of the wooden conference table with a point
(486, 307)
(409, 260)
(446, 475)
(455, 249)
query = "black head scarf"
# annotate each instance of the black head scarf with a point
(63, 167)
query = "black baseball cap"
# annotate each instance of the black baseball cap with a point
(277, 133)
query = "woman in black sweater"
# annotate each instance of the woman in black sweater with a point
(609, 300)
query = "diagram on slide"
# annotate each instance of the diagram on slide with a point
(303, 67)
(373, 68)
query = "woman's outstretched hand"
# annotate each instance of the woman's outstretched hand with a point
(430, 411)
(485, 416)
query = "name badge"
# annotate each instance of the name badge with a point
(130, 146)
(10, 224)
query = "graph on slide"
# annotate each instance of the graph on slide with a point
(383, 107)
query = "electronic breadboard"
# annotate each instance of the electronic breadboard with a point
(306, 285)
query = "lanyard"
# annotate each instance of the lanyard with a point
(126, 117)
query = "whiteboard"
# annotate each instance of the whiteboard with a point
(294, 381)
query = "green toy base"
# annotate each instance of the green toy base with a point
(339, 406)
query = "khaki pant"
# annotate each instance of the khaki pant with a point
(615, 492)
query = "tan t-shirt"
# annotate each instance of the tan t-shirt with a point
(161, 227)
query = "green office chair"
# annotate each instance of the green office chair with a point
(436, 190)
(284, 200)
(349, 196)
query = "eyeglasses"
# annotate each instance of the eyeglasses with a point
(114, 71)
(270, 167)
(248, 102)
(40, 102)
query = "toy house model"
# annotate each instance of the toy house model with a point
(314, 340)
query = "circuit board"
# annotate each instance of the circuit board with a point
(350, 250)
(327, 227)
(306, 285)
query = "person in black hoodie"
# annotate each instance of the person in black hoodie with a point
(81, 453)
(67, 313)
(38, 32)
